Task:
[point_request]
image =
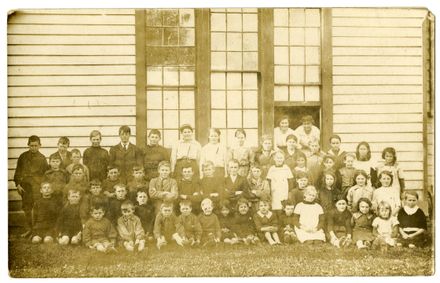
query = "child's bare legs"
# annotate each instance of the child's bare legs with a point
(64, 240)
(76, 239)
(129, 245)
(160, 242)
(36, 239)
(103, 246)
(141, 245)
(276, 238)
(272, 238)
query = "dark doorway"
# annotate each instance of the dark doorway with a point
(295, 113)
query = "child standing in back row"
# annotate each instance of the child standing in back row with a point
(96, 157)
(63, 154)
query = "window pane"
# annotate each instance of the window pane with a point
(170, 76)
(250, 81)
(250, 61)
(311, 93)
(171, 119)
(170, 36)
(234, 42)
(218, 99)
(186, 37)
(170, 17)
(281, 36)
(234, 81)
(154, 76)
(186, 117)
(297, 74)
(313, 55)
(281, 17)
(313, 36)
(296, 17)
(218, 60)
(250, 118)
(282, 74)
(297, 55)
(170, 100)
(186, 99)
(186, 17)
(234, 22)
(218, 118)
(233, 99)
(313, 74)
(154, 17)
(281, 55)
(234, 119)
(281, 93)
(218, 81)
(250, 41)
(186, 77)
(296, 93)
(218, 22)
(313, 18)
(250, 22)
(218, 41)
(234, 61)
(154, 119)
(154, 99)
(252, 137)
(170, 137)
(250, 99)
(297, 36)
(153, 36)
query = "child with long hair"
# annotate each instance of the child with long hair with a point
(386, 193)
(264, 155)
(361, 190)
(390, 164)
(242, 152)
(328, 193)
(365, 162)
(362, 221)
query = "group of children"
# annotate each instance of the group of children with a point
(203, 196)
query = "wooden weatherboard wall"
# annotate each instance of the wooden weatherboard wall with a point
(69, 72)
(378, 83)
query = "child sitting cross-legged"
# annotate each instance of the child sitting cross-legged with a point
(226, 218)
(188, 225)
(130, 229)
(266, 223)
(44, 215)
(412, 222)
(95, 196)
(69, 224)
(385, 227)
(362, 221)
(211, 232)
(339, 224)
(98, 232)
(287, 223)
(243, 224)
(165, 226)
(309, 218)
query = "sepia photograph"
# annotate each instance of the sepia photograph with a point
(220, 142)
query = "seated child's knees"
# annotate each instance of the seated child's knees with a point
(48, 240)
(36, 239)
(75, 240)
(64, 240)
(101, 248)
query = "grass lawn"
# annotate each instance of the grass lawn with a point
(52, 260)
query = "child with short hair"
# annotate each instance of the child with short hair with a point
(412, 222)
(235, 185)
(339, 224)
(226, 219)
(336, 152)
(188, 225)
(98, 232)
(131, 232)
(69, 224)
(96, 158)
(328, 193)
(258, 188)
(215, 152)
(165, 226)
(386, 193)
(390, 164)
(211, 232)
(189, 188)
(345, 175)
(291, 152)
(264, 155)
(76, 160)
(154, 153)
(297, 194)
(29, 173)
(266, 223)
(125, 154)
(385, 227)
(145, 211)
(210, 186)
(95, 197)
(243, 225)
(163, 188)
(56, 176)
(241, 152)
(77, 180)
(63, 154)
(137, 183)
(114, 205)
(362, 221)
(361, 190)
(314, 160)
(45, 214)
(113, 179)
(309, 218)
(281, 181)
(287, 221)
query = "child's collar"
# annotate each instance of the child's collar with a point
(267, 215)
(409, 210)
